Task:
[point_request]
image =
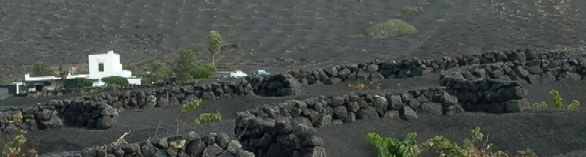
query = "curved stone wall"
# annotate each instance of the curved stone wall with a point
(500, 87)
(194, 145)
(288, 128)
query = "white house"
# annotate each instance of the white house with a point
(100, 66)
(106, 65)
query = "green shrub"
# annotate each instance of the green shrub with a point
(540, 105)
(574, 105)
(115, 81)
(557, 99)
(558, 102)
(14, 147)
(187, 67)
(157, 72)
(208, 118)
(390, 29)
(204, 71)
(475, 146)
(412, 11)
(191, 106)
(392, 147)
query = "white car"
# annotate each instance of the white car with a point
(231, 74)
(261, 73)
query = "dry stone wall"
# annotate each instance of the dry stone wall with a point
(194, 145)
(288, 129)
(491, 82)
(500, 88)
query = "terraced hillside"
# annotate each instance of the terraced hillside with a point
(301, 32)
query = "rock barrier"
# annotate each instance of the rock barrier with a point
(194, 145)
(289, 128)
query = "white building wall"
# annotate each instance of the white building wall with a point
(112, 66)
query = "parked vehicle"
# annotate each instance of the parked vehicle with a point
(261, 73)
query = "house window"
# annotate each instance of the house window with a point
(101, 67)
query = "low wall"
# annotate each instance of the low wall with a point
(522, 66)
(31, 118)
(195, 145)
(500, 88)
(288, 128)
(56, 114)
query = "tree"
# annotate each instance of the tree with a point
(40, 69)
(184, 65)
(157, 72)
(187, 67)
(215, 45)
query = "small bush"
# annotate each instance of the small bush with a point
(412, 11)
(574, 105)
(14, 147)
(558, 102)
(115, 81)
(191, 106)
(392, 147)
(475, 146)
(540, 105)
(208, 117)
(204, 71)
(557, 99)
(390, 29)
(187, 67)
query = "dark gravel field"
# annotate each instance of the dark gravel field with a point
(299, 34)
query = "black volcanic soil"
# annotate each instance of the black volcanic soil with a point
(546, 132)
(310, 33)
(306, 32)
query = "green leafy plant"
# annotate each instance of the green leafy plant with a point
(187, 67)
(574, 105)
(115, 81)
(475, 146)
(204, 71)
(392, 147)
(14, 147)
(558, 102)
(557, 99)
(412, 10)
(208, 118)
(191, 106)
(390, 29)
(157, 72)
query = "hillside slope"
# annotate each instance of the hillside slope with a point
(303, 32)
